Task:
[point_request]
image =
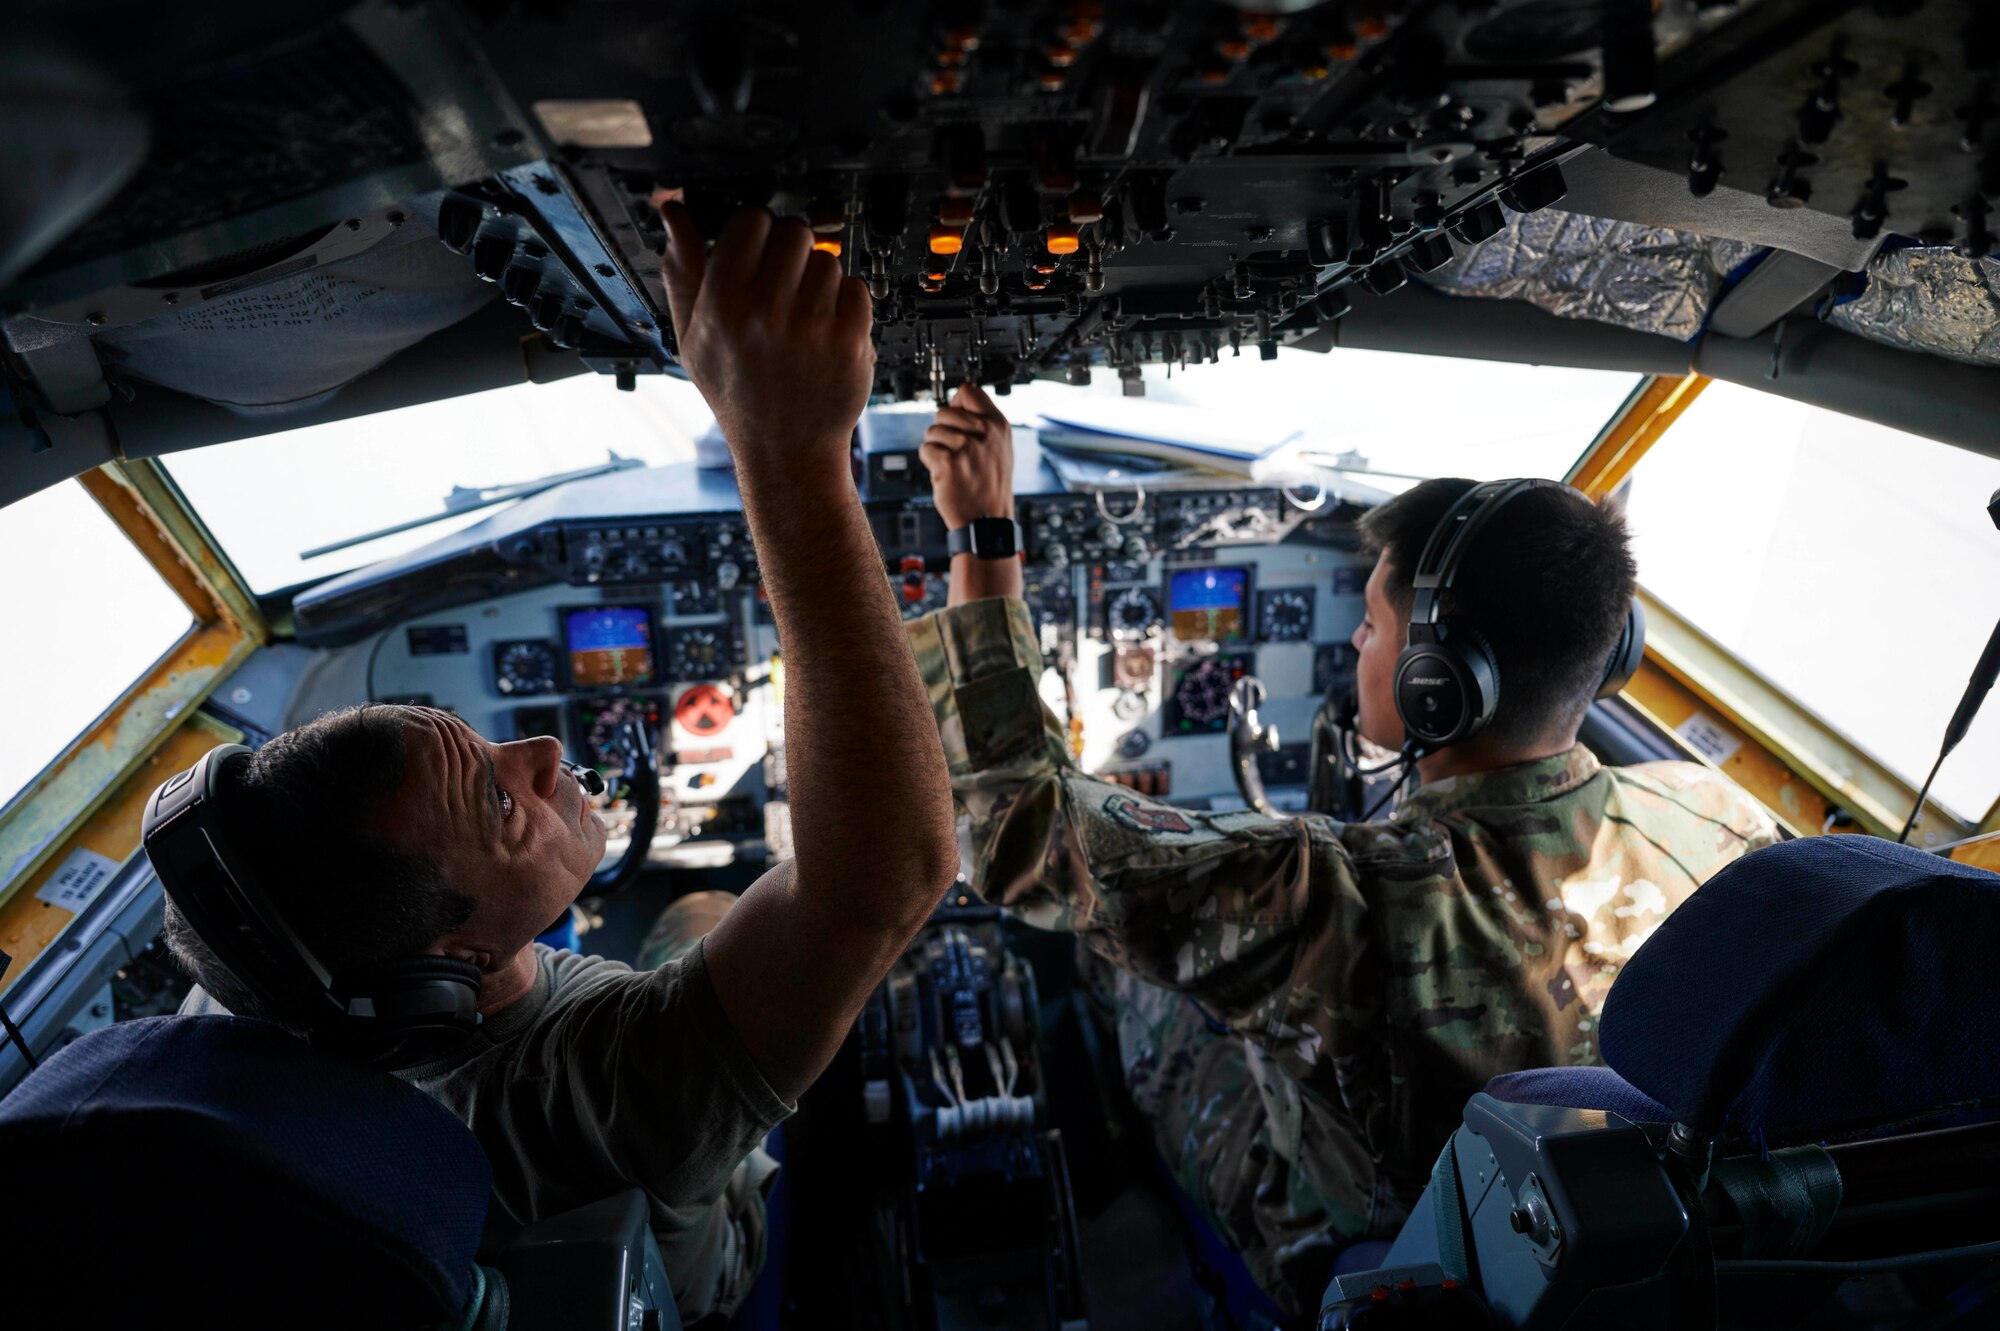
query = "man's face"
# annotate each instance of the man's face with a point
(1379, 640)
(507, 825)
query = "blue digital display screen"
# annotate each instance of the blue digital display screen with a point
(609, 645)
(1207, 604)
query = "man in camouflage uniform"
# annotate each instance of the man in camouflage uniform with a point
(1303, 1006)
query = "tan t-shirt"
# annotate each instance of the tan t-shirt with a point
(601, 1078)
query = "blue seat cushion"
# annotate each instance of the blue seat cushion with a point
(1815, 988)
(281, 1186)
(1579, 1088)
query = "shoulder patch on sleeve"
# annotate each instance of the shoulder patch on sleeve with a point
(1142, 817)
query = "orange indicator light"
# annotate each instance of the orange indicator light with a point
(946, 240)
(828, 245)
(1064, 240)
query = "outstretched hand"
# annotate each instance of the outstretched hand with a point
(969, 450)
(773, 336)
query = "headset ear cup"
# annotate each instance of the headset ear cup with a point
(1437, 692)
(1482, 680)
(412, 970)
(1627, 654)
(421, 1008)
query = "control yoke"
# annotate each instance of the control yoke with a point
(1249, 736)
(641, 777)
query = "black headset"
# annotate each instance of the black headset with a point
(1447, 683)
(396, 1014)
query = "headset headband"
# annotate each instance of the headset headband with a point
(213, 885)
(1438, 565)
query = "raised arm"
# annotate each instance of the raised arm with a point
(969, 450)
(778, 343)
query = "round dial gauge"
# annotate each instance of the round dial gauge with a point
(1198, 702)
(604, 726)
(695, 597)
(1203, 693)
(697, 653)
(1132, 613)
(524, 668)
(1286, 614)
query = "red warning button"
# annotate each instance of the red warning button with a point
(704, 710)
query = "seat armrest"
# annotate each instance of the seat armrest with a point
(588, 1269)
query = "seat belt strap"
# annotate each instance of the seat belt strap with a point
(1454, 1226)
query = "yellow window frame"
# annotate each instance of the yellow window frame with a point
(91, 795)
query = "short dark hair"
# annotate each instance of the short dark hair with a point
(1549, 589)
(300, 811)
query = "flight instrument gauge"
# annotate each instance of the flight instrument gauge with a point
(695, 597)
(1285, 614)
(524, 667)
(698, 653)
(1198, 703)
(600, 728)
(1132, 613)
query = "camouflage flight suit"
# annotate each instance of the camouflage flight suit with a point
(1305, 1005)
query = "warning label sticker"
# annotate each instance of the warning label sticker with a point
(1707, 737)
(79, 880)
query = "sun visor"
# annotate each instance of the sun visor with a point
(1929, 299)
(1645, 278)
(293, 342)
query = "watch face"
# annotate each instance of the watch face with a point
(993, 538)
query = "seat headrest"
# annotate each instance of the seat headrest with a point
(1815, 987)
(280, 1183)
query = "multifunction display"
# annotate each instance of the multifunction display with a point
(609, 646)
(1207, 604)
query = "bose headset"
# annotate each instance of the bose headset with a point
(396, 1014)
(1447, 683)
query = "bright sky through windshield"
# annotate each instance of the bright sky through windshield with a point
(88, 615)
(266, 499)
(269, 498)
(1425, 415)
(1852, 564)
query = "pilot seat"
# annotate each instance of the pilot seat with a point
(281, 1186)
(1797, 1126)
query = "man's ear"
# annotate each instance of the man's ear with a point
(460, 948)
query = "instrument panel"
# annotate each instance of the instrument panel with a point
(1149, 607)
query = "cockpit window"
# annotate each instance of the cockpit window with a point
(88, 615)
(1854, 566)
(271, 499)
(1402, 417)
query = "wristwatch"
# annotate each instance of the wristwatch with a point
(985, 538)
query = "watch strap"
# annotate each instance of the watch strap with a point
(985, 538)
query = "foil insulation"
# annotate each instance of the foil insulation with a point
(1647, 278)
(1933, 300)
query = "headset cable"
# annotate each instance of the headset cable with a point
(1974, 697)
(13, 1031)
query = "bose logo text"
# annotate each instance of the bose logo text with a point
(1431, 683)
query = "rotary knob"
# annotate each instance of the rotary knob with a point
(1107, 535)
(727, 575)
(673, 551)
(1057, 554)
